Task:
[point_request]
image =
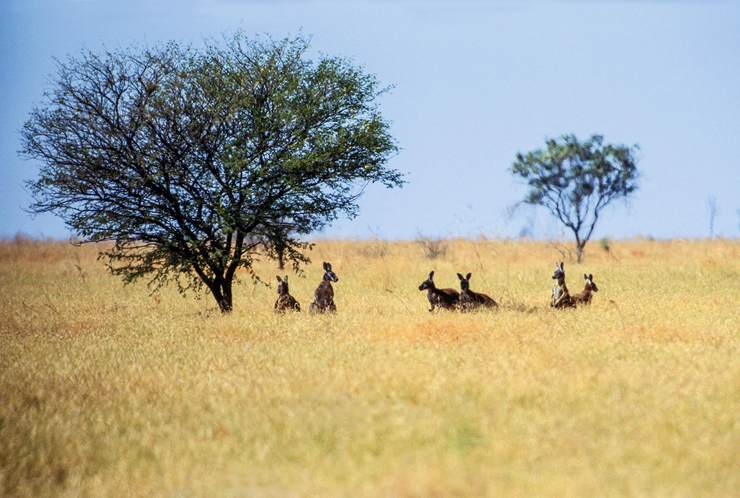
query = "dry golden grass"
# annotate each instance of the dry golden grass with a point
(105, 390)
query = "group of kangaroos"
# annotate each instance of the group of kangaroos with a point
(448, 299)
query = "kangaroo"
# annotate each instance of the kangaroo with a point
(470, 300)
(561, 298)
(585, 296)
(439, 298)
(323, 300)
(285, 302)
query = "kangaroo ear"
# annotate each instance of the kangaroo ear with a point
(460, 277)
(278, 278)
(467, 277)
(590, 276)
(285, 279)
(327, 266)
(585, 277)
(431, 274)
(561, 265)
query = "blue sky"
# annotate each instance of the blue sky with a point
(475, 82)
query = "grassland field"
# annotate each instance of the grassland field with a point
(106, 390)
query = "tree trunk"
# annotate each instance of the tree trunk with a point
(580, 244)
(280, 250)
(221, 291)
(228, 299)
(579, 250)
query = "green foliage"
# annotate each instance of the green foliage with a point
(575, 180)
(189, 160)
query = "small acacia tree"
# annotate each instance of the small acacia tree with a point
(576, 180)
(190, 160)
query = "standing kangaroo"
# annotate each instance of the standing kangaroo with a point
(323, 300)
(470, 300)
(439, 298)
(561, 298)
(285, 302)
(590, 287)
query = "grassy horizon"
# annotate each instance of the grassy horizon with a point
(108, 390)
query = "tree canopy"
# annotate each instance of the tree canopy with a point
(190, 159)
(575, 180)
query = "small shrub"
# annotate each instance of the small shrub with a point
(375, 249)
(433, 248)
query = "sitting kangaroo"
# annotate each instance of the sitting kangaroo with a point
(439, 298)
(585, 296)
(560, 296)
(470, 300)
(323, 300)
(285, 302)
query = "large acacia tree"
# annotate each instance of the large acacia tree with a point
(191, 159)
(575, 180)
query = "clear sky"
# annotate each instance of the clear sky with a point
(475, 82)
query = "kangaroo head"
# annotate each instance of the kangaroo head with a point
(464, 281)
(559, 273)
(590, 284)
(282, 287)
(329, 275)
(428, 283)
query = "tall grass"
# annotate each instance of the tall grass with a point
(106, 390)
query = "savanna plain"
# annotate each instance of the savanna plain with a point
(106, 390)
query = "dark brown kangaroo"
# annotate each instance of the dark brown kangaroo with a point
(590, 287)
(470, 300)
(561, 298)
(285, 302)
(323, 301)
(439, 298)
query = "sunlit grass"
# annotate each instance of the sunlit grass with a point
(106, 390)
